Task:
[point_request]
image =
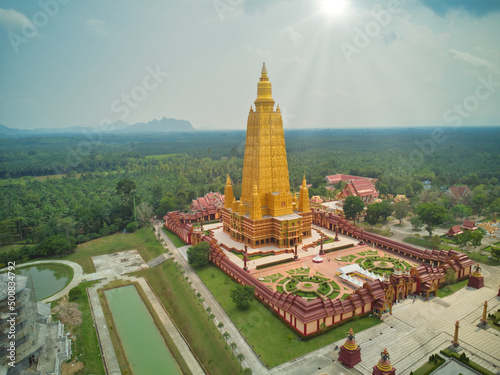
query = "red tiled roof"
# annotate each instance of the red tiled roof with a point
(336, 178)
(468, 224)
(458, 191)
(454, 230)
(209, 200)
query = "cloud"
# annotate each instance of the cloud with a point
(469, 59)
(12, 20)
(96, 26)
(476, 8)
(292, 35)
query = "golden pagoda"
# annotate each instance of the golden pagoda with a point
(267, 212)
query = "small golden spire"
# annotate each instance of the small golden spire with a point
(228, 180)
(304, 184)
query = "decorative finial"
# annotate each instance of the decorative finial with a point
(264, 70)
(228, 180)
(304, 184)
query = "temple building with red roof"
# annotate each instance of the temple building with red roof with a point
(336, 178)
(459, 194)
(362, 188)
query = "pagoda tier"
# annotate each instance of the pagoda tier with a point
(476, 279)
(384, 367)
(350, 352)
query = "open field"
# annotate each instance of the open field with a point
(270, 338)
(116, 242)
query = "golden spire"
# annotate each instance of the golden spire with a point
(228, 193)
(304, 196)
(255, 209)
(264, 101)
(263, 71)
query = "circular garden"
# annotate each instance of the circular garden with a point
(382, 265)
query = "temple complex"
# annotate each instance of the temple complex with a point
(267, 212)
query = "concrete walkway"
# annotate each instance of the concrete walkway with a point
(251, 359)
(110, 361)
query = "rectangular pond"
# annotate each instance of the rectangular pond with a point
(144, 346)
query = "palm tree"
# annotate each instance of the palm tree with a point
(211, 317)
(233, 346)
(247, 371)
(240, 357)
(220, 326)
(226, 336)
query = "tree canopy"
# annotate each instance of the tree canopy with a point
(432, 215)
(198, 254)
(242, 296)
(353, 206)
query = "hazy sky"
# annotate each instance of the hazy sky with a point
(333, 63)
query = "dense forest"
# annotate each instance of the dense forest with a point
(72, 187)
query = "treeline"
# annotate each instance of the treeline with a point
(168, 171)
(51, 246)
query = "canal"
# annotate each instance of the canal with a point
(144, 346)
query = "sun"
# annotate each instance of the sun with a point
(334, 7)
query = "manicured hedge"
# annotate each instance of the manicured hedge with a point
(270, 264)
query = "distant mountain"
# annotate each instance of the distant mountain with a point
(163, 125)
(160, 126)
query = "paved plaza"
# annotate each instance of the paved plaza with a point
(412, 334)
(121, 263)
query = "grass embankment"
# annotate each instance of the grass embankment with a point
(190, 318)
(450, 289)
(114, 335)
(85, 347)
(373, 229)
(178, 242)
(271, 339)
(428, 244)
(466, 362)
(149, 249)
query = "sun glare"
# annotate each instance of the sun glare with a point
(334, 7)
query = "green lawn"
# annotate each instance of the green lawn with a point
(7, 248)
(116, 242)
(271, 338)
(174, 238)
(450, 289)
(187, 313)
(86, 347)
(427, 244)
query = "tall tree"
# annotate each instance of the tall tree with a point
(353, 206)
(242, 296)
(198, 254)
(144, 213)
(461, 210)
(401, 210)
(432, 215)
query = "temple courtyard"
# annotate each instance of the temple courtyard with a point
(411, 334)
(414, 331)
(338, 274)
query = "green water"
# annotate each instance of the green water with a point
(142, 342)
(47, 279)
